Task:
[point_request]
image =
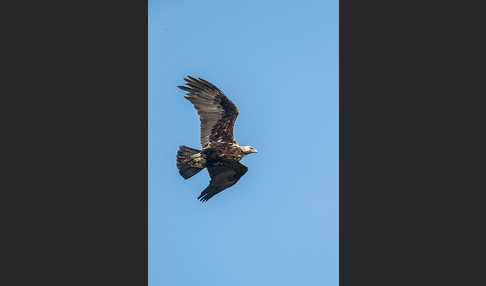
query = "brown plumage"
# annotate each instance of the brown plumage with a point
(220, 153)
(216, 112)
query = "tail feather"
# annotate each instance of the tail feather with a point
(189, 161)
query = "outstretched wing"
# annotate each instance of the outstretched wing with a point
(223, 176)
(216, 112)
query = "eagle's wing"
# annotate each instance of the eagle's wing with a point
(223, 176)
(216, 112)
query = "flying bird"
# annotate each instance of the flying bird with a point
(220, 153)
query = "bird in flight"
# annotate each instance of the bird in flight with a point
(220, 153)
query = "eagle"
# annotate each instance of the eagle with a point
(220, 153)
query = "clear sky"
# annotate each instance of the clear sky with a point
(278, 62)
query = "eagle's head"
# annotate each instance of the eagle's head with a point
(248, 149)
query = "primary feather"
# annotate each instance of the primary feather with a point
(216, 112)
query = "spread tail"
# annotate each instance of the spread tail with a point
(189, 161)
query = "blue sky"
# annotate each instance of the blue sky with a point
(278, 62)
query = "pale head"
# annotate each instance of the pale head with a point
(248, 149)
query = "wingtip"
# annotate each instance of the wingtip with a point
(185, 88)
(203, 198)
(189, 78)
(209, 85)
(200, 82)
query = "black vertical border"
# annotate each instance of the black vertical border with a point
(75, 111)
(411, 143)
(377, 243)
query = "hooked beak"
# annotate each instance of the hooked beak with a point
(255, 150)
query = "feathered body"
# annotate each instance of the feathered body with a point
(223, 150)
(220, 153)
